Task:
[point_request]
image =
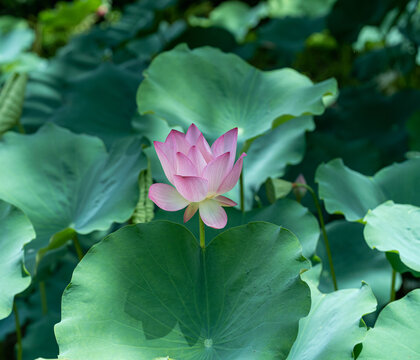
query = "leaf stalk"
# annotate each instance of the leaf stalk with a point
(324, 232)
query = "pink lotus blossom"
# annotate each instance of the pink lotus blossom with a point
(200, 174)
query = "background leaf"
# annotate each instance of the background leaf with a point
(241, 95)
(395, 227)
(332, 327)
(395, 334)
(16, 231)
(84, 189)
(352, 194)
(234, 16)
(355, 262)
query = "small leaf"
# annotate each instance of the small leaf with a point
(277, 189)
(56, 241)
(234, 16)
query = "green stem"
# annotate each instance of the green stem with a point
(202, 233)
(324, 232)
(44, 302)
(18, 333)
(394, 276)
(78, 247)
(242, 196)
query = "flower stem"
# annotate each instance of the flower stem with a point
(242, 196)
(202, 233)
(78, 247)
(44, 302)
(324, 232)
(394, 276)
(18, 333)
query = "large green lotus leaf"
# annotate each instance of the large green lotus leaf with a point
(395, 227)
(353, 194)
(332, 327)
(16, 231)
(62, 180)
(148, 291)
(284, 212)
(396, 332)
(354, 261)
(223, 92)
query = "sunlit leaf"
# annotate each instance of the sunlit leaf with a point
(223, 92)
(161, 296)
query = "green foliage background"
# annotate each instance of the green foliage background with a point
(90, 84)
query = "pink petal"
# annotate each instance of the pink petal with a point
(178, 141)
(204, 148)
(213, 214)
(166, 197)
(163, 152)
(226, 143)
(184, 166)
(197, 159)
(215, 171)
(232, 178)
(224, 201)
(190, 211)
(192, 188)
(193, 134)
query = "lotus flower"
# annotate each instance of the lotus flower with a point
(200, 174)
